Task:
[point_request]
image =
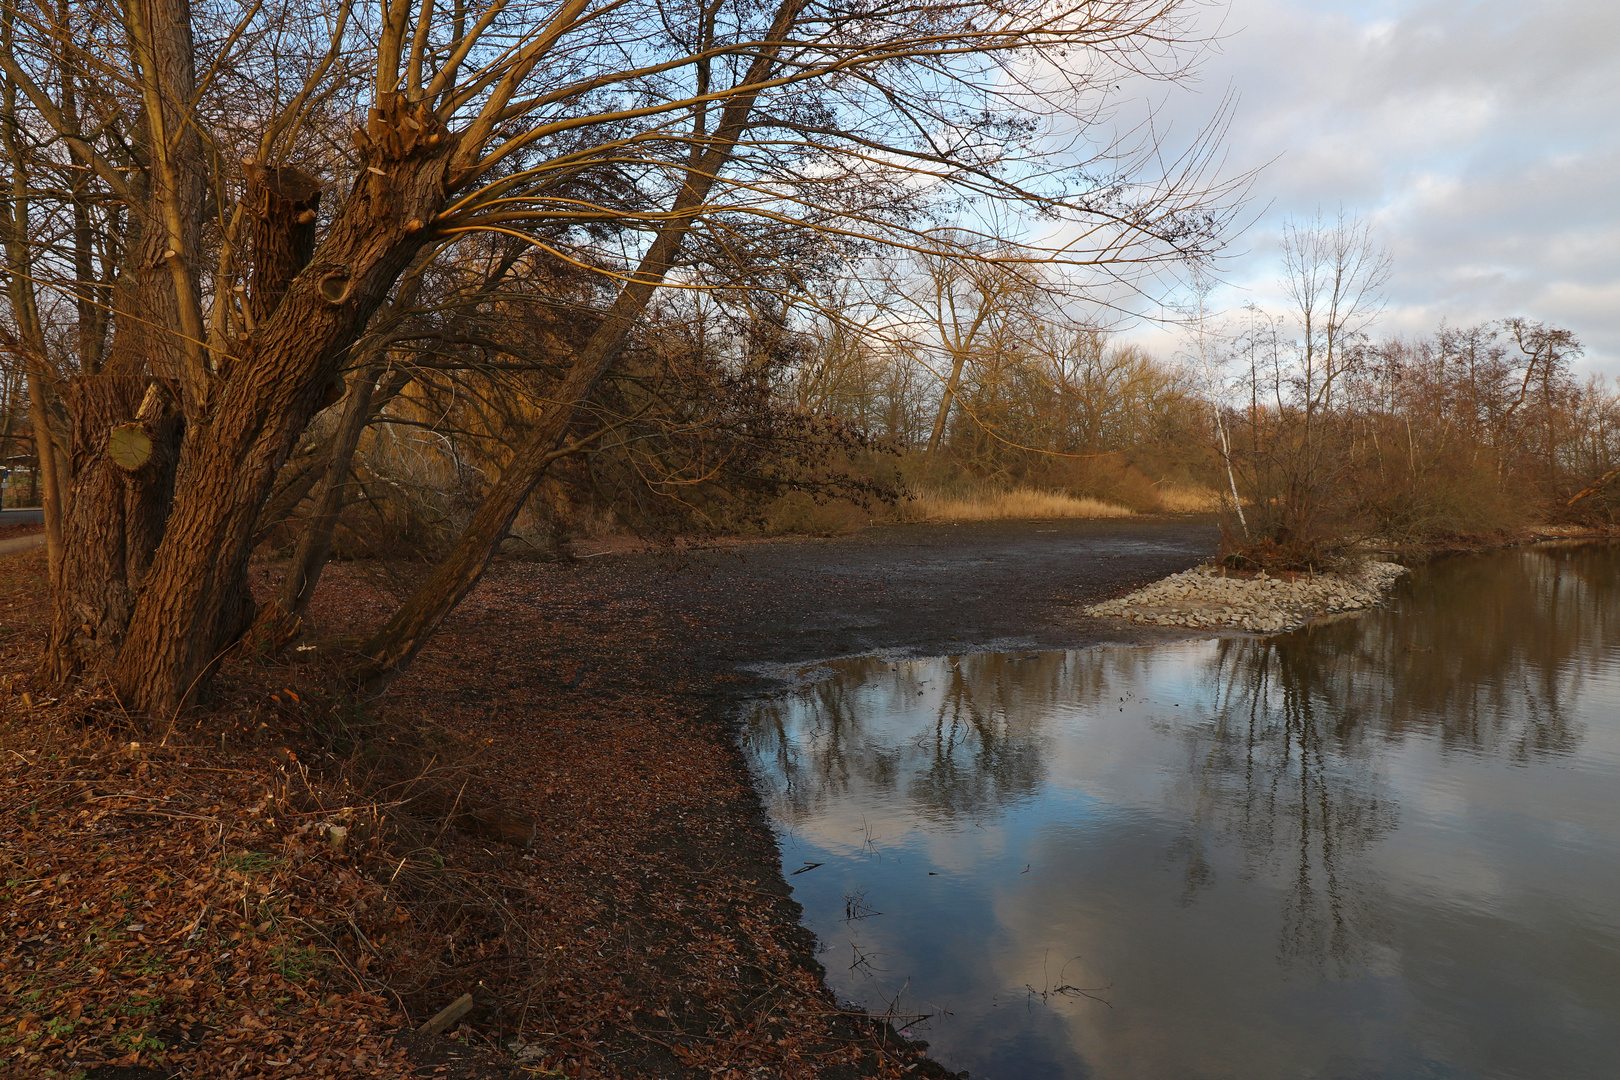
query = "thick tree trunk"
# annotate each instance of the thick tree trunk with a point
(281, 210)
(120, 485)
(166, 220)
(121, 500)
(281, 205)
(184, 622)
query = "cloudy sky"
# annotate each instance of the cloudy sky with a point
(1481, 140)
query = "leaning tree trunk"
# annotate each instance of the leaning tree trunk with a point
(316, 542)
(183, 623)
(945, 401)
(278, 621)
(281, 204)
(396, 644)
(312, 462)
(126, 440)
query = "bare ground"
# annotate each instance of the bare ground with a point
(914, 589)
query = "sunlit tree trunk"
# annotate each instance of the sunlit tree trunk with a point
(946, 400)
(398, 642)
(193, 609)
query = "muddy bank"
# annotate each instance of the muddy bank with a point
(647, 931)
(915, 590)
(605, 690)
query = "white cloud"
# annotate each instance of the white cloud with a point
(1478, 138)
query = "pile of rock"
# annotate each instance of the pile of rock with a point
(1203, 597)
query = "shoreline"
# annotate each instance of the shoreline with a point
(650, 920)
(640, 926)
(1210, 598)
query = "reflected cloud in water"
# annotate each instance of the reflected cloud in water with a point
(1383, 846)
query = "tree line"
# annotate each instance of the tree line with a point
(1333, 437)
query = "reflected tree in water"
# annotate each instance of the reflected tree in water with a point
(1498, 658)
(971, 744)
(816, 744)
(1481, 657)
(1273, 772)
(982, 752)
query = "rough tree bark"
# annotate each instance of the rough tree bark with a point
(281, 619)
(282, 205)
(182, 626)
(107, 548)
(157, 284)
(119, 504)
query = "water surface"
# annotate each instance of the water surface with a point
(1388, 846)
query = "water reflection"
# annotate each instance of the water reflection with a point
(1278, 772)
(980, 750)
(1353, 850)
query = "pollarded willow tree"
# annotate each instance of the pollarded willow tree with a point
(212, 206)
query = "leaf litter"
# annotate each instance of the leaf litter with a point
(547, 813)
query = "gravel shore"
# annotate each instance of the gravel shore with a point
(1203, 597)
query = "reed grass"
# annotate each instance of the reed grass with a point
(1016, 503)
(1187, 499)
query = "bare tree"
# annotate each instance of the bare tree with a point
(618, 135)
(1206, 349)
(961, 302)
(1334, 275)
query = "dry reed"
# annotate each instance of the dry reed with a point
(1187, 499)
(1016, 503)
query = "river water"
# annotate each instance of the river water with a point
(1387, 846)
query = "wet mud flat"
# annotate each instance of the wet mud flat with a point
(921, 590)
